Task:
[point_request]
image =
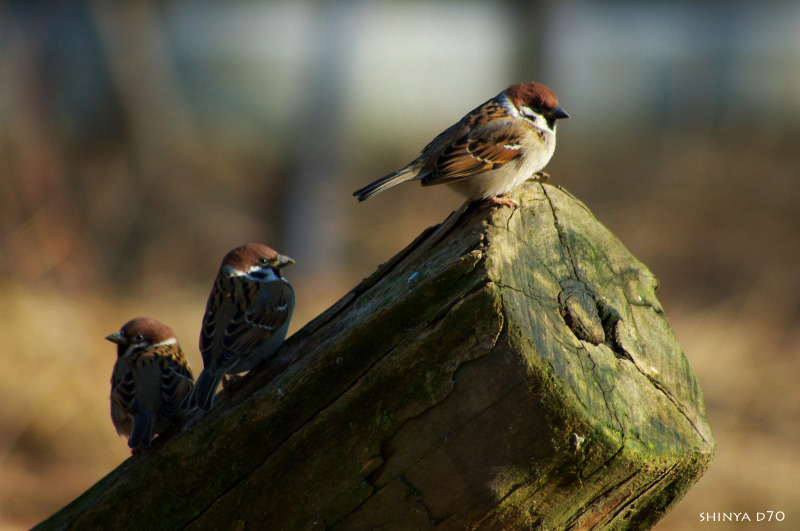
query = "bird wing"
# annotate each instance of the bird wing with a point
(483, 148)
(240, 315)
(176, 377)
(219, 300)
(123, 386)
(268, 308)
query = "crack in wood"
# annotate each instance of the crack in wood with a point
(587, 508)
(434, 373)
(647, 488)
(561, 238)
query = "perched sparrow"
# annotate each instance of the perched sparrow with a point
(150, 380)
(491, 150)
(246, 317)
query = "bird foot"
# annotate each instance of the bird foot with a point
(193, 418)
(503, 200)
(231, 383)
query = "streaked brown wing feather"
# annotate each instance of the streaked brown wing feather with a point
(222, 287)
(253, 323)
(123, 389)
(176, 377)
(490, 111)
(482, 149)
(477, 117)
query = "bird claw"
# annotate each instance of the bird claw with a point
(193, 418)
(503, 200)
(231, 383)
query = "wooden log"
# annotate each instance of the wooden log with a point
(511, 368)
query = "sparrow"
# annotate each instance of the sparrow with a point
(490, 151)
(246, 318)
(151, 378)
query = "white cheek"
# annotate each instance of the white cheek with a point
(171, 341)
(541, 123)
(524, 112)
(538, 120)
(231, 272)
(131, 348)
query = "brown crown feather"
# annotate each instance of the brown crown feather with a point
(245, 256)
(532, 94)
(152, 330)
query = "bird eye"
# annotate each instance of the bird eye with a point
(263, 261)
(139, 338)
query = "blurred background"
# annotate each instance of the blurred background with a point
(140, 141)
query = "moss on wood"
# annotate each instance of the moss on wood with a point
(510, 368)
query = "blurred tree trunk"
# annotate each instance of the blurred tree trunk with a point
(511, 368)
(529, 31)
(157, 119)
(42, 219)
(313, 210)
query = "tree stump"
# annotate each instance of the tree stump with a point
(511, 368)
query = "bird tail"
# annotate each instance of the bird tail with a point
(202, 394)
(143, 424)
(400, 176)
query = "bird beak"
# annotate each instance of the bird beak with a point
(284, 261)
(557, 113)
(116, 337)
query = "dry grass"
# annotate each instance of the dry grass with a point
(56, 438)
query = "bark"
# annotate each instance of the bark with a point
(511, 368)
